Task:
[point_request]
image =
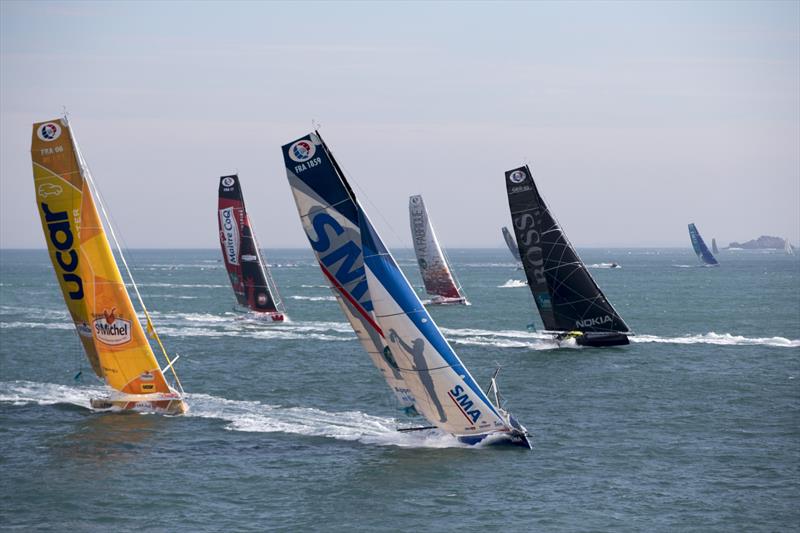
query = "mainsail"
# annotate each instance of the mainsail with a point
(511, 243)
(249, 274)
(385, 312)
(700, 247)
(90, 280)
(714, 248)
(433, 266)
(565, 293)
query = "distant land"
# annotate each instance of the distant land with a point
(765, 242)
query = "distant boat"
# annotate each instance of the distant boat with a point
(91, 283)
(700, 247)
(437, 275)
(569, 301)
(511, 243)
(249, 273)
(714, 248)
(788, 247)
(384, 310)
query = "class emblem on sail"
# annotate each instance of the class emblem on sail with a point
(437, 275)
(250, 277)
(569, 300)
(700, 248)
(393, 326)
(90, 280)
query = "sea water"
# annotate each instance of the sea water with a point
(694, 427)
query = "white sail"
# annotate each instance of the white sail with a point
(433, 266)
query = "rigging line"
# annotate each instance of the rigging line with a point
(87, 175)
(271, 285)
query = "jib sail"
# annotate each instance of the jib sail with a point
(565, 293)
(433, 266)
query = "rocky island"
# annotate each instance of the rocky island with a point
(765, 242)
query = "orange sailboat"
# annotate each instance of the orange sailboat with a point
(91, 282)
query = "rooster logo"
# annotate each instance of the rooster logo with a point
(110, 318)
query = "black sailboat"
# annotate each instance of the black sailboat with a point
(569, 301)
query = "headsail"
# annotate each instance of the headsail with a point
(714, 248)
(565, 293)
(700, 247)
(87, 272)
(511, 243)
(391, 322)
(433, 266)
(249, 274)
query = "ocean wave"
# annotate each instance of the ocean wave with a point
(513, 283)
(721, 339)
(251, 416)
(314, 298)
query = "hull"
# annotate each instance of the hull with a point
(169, 404)
(595, 340)
(442, 300)
(516, 439)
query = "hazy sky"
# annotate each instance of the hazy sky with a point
(636, 118)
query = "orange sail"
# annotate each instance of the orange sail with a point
(87, 272)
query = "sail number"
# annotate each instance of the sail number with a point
(311, 163)
(51, 151)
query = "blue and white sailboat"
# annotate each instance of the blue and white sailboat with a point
(394, 327)
(700, 247)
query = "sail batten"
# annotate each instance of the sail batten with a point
(565, 293)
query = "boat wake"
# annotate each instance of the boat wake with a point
(513, 284)
(720, 339)
(314, 298)
(250, 416)
(604, 265)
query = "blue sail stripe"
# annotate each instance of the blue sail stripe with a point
(381, 263)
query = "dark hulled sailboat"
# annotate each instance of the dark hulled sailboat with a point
(570, 303)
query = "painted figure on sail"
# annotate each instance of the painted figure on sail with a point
(390, 321)
(249, 274)
(91, 283)
(437, 275)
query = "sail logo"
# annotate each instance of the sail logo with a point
(229, 235)
(517, 176)
(112, 330)
(462, 401)
(227, 181)
(302, 151)
(339, 248)
(594, 321)
(49, 189)
(59, 232)
(49, 132)
(531, 240)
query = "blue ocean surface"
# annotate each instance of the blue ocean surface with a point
(695, 426)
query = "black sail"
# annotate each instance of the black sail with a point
(565, 293)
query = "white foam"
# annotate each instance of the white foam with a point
(721, 339)
(252, 416)
(604, 265)
(513, 283)
(314, 298)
